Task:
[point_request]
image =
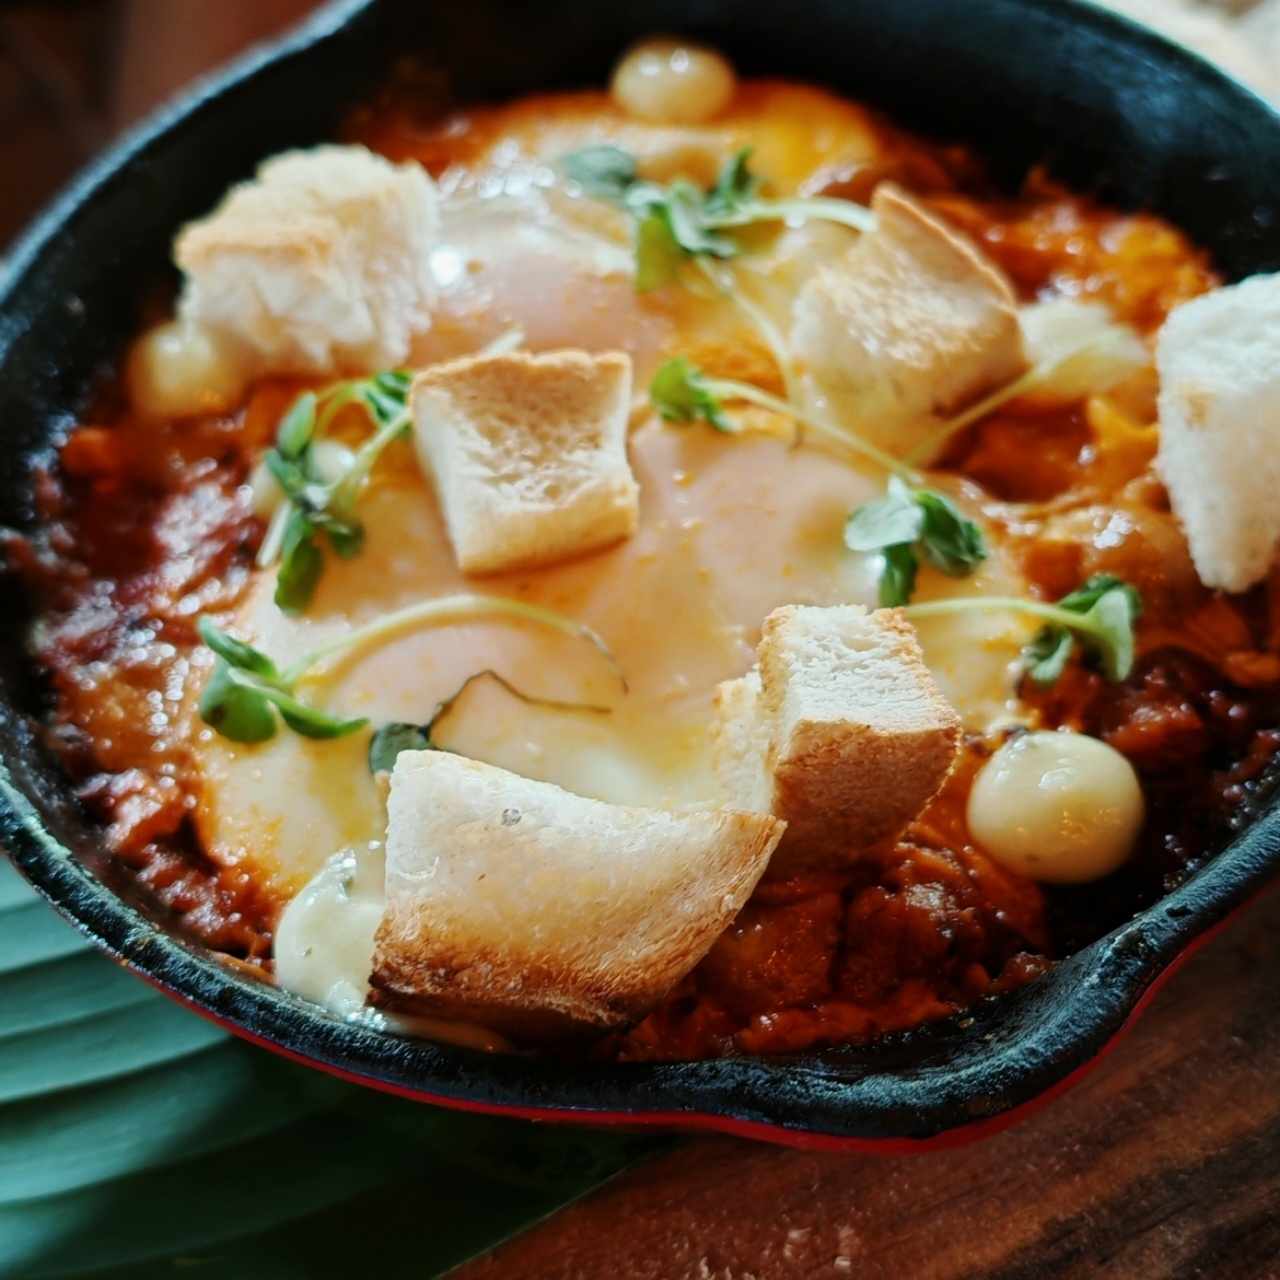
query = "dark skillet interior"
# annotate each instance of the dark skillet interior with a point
(1108, 107)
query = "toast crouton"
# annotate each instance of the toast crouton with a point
(741, 744)
(529, 454)
(841, 731)
(320, 264)
(911, 323)
(1218, 357)
(523, 907)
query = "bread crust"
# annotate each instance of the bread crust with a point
(529, 455)
(914, 321)
(460, 938)
(319, 264)
(852, 751)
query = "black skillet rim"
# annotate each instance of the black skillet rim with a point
(948, 1082)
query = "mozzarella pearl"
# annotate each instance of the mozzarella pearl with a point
(324, 938)
(181, 369)
(672, 82)
(1058, 807)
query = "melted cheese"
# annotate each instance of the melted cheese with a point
(324, 938)
(730, 529)
(517, 255)
(324, 949)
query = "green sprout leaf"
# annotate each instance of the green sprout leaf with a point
(346, 537)
(686, 211)
(735, 187)
(680, 222)
(1108, 608)
(658, 256)
(235, 652)
(681, 392)
(1099, 616)
(247, 688)
(297, 426)
(735, 201)
(311, 722)
(605, 172)
(316, 502)
(671, 229)
(301, 564)
(394, 384)
(238, 713)
(898, 576)
(906, 524)
(950, 543)
(389, 740)
(289, 474)
(1048, 653)
(896, 518)
(244, 687)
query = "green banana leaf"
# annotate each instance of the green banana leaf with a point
(138, 1140)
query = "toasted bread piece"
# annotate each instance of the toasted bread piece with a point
(842, 732)
(529, 454)
(521, 906)
(1218, 358)
(319, 264)
(911, 323)
(741, 744)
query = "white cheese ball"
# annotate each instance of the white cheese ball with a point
(323, 946)
(672, 82)
(1058, 807)
(181, 369)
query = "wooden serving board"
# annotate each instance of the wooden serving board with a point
(1163, 1162)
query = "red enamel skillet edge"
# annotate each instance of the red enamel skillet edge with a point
(947, 1083)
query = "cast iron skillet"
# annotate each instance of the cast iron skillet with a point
(1109, 107)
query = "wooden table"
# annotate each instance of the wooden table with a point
(1164, 1162)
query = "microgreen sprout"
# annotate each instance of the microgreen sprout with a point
(246, 684)
(1107, 609)
(1099, 616)
(681, 221)
(1100, 359)
(316, 503)
(907, 524)
(605, 172)
(681, 392)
